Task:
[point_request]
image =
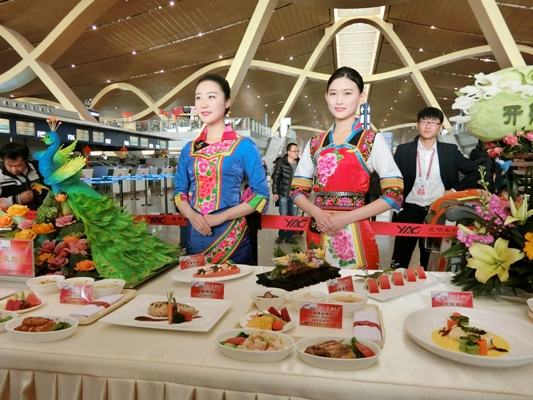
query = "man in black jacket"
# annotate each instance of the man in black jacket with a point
(430, 169)
(17, 177)
(281, 188)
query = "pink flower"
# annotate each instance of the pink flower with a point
(26, 224)
(510, 139)
(65, 220)
(48, 246)
(60, 246)
(519, 133)
(57, 262)
(529, 136)
(498, 150)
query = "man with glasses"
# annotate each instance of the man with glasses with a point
(430, 169)
(17, 177)
(281, 188)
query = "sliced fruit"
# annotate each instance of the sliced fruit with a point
(9, 305)
(16, 305)
(275, 312)
(285, 315)
(33, 300)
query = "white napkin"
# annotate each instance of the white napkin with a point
(371, 333)
(90, 309)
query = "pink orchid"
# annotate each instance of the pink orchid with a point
(65, 220)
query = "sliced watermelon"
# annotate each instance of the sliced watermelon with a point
(16, 305)
(285, 315)
(9, 305)
(275, 312)
(33, 300)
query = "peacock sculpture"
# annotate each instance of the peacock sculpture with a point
(120, 246)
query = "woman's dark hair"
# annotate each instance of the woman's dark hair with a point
(223, 83)
(430, 112)
(13, 151)
(349, 73)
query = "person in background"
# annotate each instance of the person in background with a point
(265, 166)
(20, 181)
(481, 158)
(337, 166)
(281, 189)
(430, 170)
(210, 172)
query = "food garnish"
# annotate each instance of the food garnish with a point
(6, 318)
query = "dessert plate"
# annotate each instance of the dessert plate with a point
(26, 310)
(245, 318)
(421, 324)
(186, 275)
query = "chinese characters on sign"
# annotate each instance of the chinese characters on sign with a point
(209, 290)
(324, 315)
(16, 258)
(340, 284)
(71, 293)
(197, 260)
(452, 299)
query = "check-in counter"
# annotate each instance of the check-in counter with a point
(170, 181)
(126, 184)
(138, 182)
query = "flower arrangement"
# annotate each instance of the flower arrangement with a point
(518, 144)
(498, 251)
(59, 239)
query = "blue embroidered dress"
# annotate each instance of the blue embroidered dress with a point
(209, 177)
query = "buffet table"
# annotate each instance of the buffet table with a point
(109, 362)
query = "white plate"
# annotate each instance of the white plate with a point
(26, 310)
(185, 275)
(254, 356)
(397, 291)
(4, 314)
(352, 364)
(42, 337)
(420, 325)
(210, 311)
(245, 318)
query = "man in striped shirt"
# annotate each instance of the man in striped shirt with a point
(17, 176)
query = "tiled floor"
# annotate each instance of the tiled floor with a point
(266, 238)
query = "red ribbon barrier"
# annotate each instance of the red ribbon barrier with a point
(301, 223)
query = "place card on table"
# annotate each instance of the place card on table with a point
(452, 299)
(71, 293)
(16, 258)
(196, 260)
(210, 290)
(344, 284)
(324, 315)
(96, 306)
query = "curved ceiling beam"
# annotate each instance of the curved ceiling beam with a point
(348, 3)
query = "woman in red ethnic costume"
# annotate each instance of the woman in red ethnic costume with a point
(337, 165)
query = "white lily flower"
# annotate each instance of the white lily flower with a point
(491, 91)
(482, 79)
(474, 91)
(519, 212)
(463, 103)
(459, 119)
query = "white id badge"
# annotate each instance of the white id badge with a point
(421, 191)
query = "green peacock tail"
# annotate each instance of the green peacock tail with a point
(121, 248)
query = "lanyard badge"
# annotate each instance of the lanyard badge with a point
(421, 190)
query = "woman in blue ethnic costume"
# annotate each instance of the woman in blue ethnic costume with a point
(209, 176)
(337, 165)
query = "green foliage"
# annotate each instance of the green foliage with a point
(76, 229)
(49, 210)
(278, 252)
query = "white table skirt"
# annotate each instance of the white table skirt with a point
(108, 362)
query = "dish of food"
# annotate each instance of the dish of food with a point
(5, 317)
(338, 352)
(509, 333)
(191, 274)
(22, 303)
(253, 345)
(41, 329)
(268, 320)
(150, 311)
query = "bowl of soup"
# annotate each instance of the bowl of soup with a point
(46, 284)
(351, 301)
(107, 287)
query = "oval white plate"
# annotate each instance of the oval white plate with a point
(245, 318)
(254, 356)
(26, 310)
(338, 364)
(420, 325)
(185, 275)
(42, 337)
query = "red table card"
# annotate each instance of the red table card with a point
(16, 257)
(210, 290)
(196, 260)
(340, 284)
(452, 299)
(71, 293)
(324, 315)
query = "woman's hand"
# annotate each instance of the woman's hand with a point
(340, 220)
(199, 223)
(324, 223)
(215, 219)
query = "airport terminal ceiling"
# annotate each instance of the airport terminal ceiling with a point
(156, 44)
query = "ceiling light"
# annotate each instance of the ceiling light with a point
(220, 56)
(160, 7)
(314, 111)
(11, 95)
(405, 81)
(290, 58)
(247, 86)
(200, 34)
(115, 108)
(108, 81)
(395, 102)
(171, 3)
(455, 88)
(272, 112)
(399, 91)
(72, 65)
(282, 38)
(161, 71)
(306, 96)
(421, 49)
(432, 27)
(309, 104)
(93, 27)
(391, 108)
(133, 52)
(258, 96)
(266, 105)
